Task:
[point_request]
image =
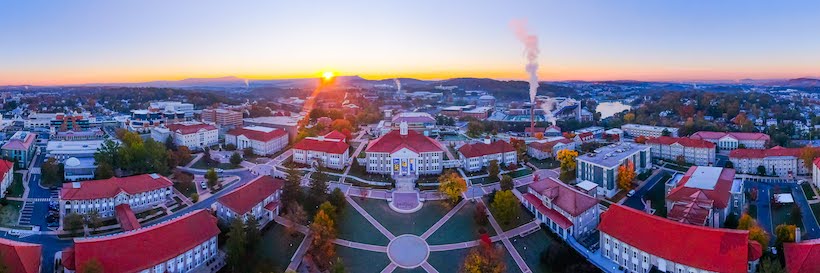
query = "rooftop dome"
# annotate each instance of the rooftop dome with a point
(72, 162)
(486, 97)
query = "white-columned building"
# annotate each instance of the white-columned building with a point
(404, 152)
(693, 151)
(640, 242)
(182, 244)
(258, 198)
(331, 150)
(194, 135)
(476, 156)
(734, 140)
(262, 140)
(141, 192)
(636, 130)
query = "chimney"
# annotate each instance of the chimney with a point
(75, 185)
(487, 140)
(403, 128)
(797, 238)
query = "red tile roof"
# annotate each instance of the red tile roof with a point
(482, 149)
(258, 135)
(774, 151)
(548, 146)
(336, 135)
(693, 213)
(564, 196)
(685, 142)
(5, 166)
(272, 206)
(134, 251)
(803, 257)
(20, 144)
(713, 249)
(187, 129)
(720, 194)
(755, 251)
(108, 188)
(817, 162)
(243, 199)
(331, 146)
(394, 141)
(549, 213)
(706, 135)
(19, 257)
(128, 221)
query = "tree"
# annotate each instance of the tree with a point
(73, 223)
(338, 266)
(731, 221)
(505, 207)
(212, 178)
(295, 214)
(236, 246)
(567, 159)
(771, 265)
(761, 170)
(640, 139)
(480, 216)
(252, 233)
(484, 259)
(93, 220)
(92, 266)
(626, 174)
(236, 159)
(808, 154)
(329, 210)
(520, 149)
(292, 190)
(104, 171)
(493, 170)
(745, 222)
(194, 197)
(452, 185)
(729, 165)
(475, 129)
(317, 193)
(756, 233)
(230, 147)
(629, 117)
(169, 143)
(784, 233)
(506, 182)
(796, 215)
(51, 174)
(248, 151)
(322, 248)
(337, 199)
(666, 132)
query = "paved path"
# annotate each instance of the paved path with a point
(444, 219)
(523, 228)
(296, 259)
(183, 197)
(370, 219)
(429, 268)
(194, 160)
(510, 248)
(362, 246)
(389, 268)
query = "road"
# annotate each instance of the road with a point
(636, 200)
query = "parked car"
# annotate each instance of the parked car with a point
(630, 193)
(204, 185)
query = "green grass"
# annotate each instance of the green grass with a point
(484, 180)
(354, 227)
(10, 213)
(524, 216)
(360, 172)
(356, 260)
(816, 210)
(460, 228)
(531, 246)
(200, 164)
(657, 196)
(448, 261)
(16, 188)
(400, 223)
(807, 188)
(781, 214)
(520, 173)
(277, 247)
(186, 190)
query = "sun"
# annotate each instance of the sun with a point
(328, 75)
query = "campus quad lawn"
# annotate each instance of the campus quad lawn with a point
(519, 173)
(200, 164)
(356, 260)
(484, 180)
(452, 260)
(548, 163)
(354, 227)
(10, 213)
(277, 247)
(460, 228)
(524, 216)
(400, 223)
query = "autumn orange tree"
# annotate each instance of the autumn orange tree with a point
(452, 185)
(808, 154)
(640, 139)
(484, 259)
(324, 232)
(756, 233)
(626, 173)
(785, 233)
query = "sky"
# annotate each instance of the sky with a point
(91, 41)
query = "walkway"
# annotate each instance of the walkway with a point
(510, 248)
(444, 219)
(370, 219)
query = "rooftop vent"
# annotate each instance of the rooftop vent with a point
(154, 175)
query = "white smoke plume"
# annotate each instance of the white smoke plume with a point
(246, 83)
(531, 51)
(398, 84)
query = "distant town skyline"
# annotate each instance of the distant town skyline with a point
(56, 43)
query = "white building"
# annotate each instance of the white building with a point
(815, 172)
(174, 106)
(258, 198)
(62, 150)
(141, 192)
(778, 161)
(704, 196)
(566, 211)
(262, 140)
(194, 135)
(734, 140)
(7, 173)
(693, 151)
(478, 155)
(636, 130)
(638, 242)
(404, 153)
(39, 120)
(170, 246)
(601, 166)
(331, 150)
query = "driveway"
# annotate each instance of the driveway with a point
(636, 200)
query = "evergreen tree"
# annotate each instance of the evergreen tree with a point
(236, 246)
(252, 233)
(292, 190)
